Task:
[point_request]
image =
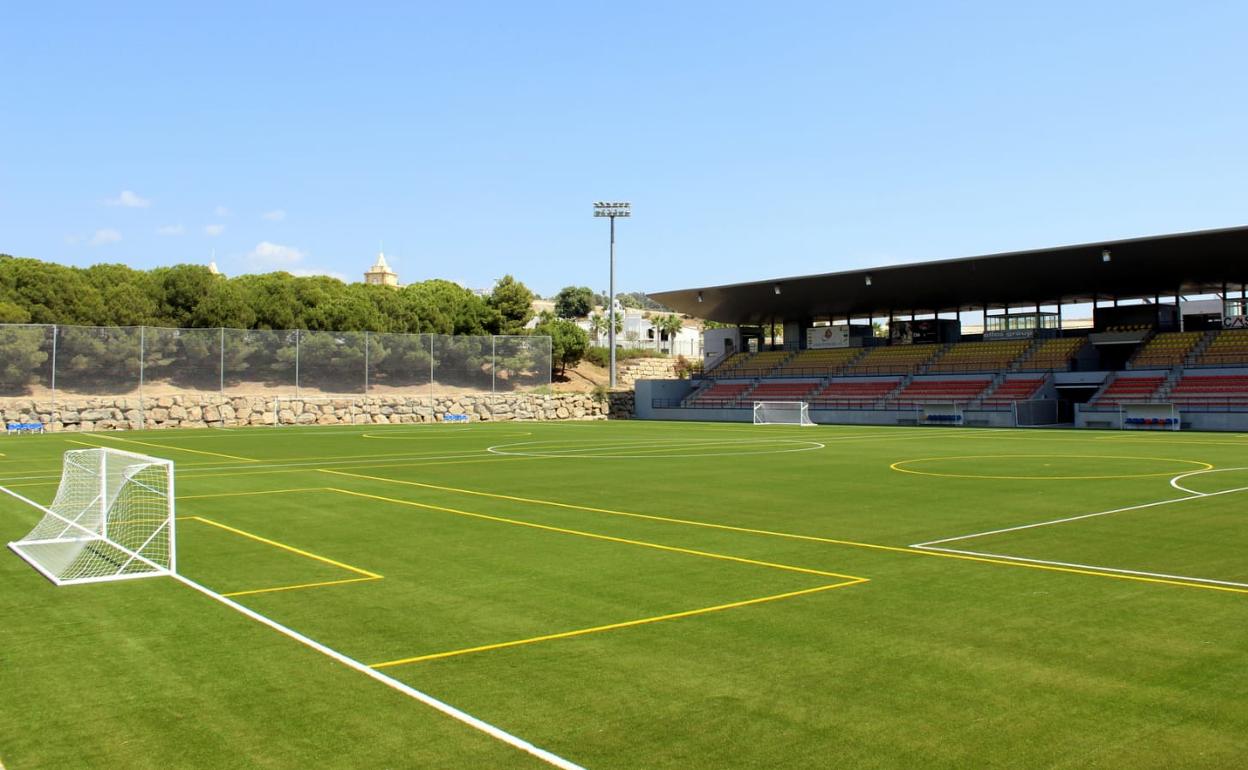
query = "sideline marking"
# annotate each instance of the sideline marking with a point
(173, 448)
(284, 547)
(897, 467)
(319, 584)
(596, 536)
(615, 626)
(246, 494)
(729, 444)
(809, 538)
(389, 681)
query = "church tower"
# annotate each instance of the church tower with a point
(380, 273)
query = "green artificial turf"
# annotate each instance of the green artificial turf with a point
(807, 630)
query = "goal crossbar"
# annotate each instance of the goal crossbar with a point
(67, 551)
(782, 413)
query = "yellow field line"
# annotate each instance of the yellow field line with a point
(173, 448)
(284, 547)
(807, 538)
(320, 584)
(897, 467)
(245, 494)
(615, 626)
(596, 536)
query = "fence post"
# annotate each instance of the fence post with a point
(52, 413)
(142, 362)
(431, 338)
(296, 363)
(365, 369)
(222, 371)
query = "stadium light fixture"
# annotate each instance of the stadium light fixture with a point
(1106, 256)
(868, 279)
(777, 288)
(612, 210)
(699, 296)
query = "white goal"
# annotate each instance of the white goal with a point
(112, 519)
(782, 413)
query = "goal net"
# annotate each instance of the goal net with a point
(112, 519)
(782, 413)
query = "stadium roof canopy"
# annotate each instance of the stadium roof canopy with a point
(1201, 262)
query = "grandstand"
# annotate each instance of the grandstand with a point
(1129, 389)
(1052, 354)
(1148, 343)
(820, 361)
(1013, 389)
(1206, 391)
(1227, 348)
(937, 390)
(854, 393)
(1165, 350)
(980, 356)
(900, 359)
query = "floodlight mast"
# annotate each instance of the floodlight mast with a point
(612, 210)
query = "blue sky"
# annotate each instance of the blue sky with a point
(754, 139)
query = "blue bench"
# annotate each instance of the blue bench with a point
(454, 417)
(23, 427)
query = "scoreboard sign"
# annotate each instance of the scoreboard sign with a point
(827, 337)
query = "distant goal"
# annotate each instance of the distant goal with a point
(112, 519)
(782, 413)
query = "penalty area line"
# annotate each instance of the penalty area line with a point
(462, 716)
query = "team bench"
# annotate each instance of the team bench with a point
(23, 427)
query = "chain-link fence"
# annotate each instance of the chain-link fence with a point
(51, 362)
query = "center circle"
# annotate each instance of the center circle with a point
(646, 449)
(1039, 467)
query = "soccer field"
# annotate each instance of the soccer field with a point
(628, 594)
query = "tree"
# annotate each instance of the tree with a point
(601, 325)
(568, 342)
(574, 302)
(181, 289)
(671, 326)
(224, 305)
(514, 303)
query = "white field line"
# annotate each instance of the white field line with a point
(931, 545)
(1092, 567)
(462, 716)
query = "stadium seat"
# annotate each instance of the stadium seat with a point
(1016, 389)
(930, 391)
(852, 393)
(820, 361)
(1052, 355)
(893, 359)
(980, 356)
(1228, 348)
(1165, 350)
(1126, 390)
(719, 394)
(1227, 391)
(788, 390)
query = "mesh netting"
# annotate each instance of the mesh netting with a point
(111, 519)
(181, 360)
(25, 361)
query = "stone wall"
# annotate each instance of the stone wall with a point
(202, 411)
(645, 369)
(622, 404)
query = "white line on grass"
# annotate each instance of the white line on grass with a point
(932, 545)
(1086, 566)
(411, 692)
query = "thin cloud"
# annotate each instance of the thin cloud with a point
(73, 240)
(213, 230)
(221, 211)
(130, 200)
(171, 230)
(104, 236)
(276, 215)
(275, 254)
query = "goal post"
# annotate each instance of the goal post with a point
(782, 413)
(113, 518)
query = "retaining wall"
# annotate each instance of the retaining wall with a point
(203, 411)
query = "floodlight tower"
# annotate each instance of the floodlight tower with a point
(612, 210)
